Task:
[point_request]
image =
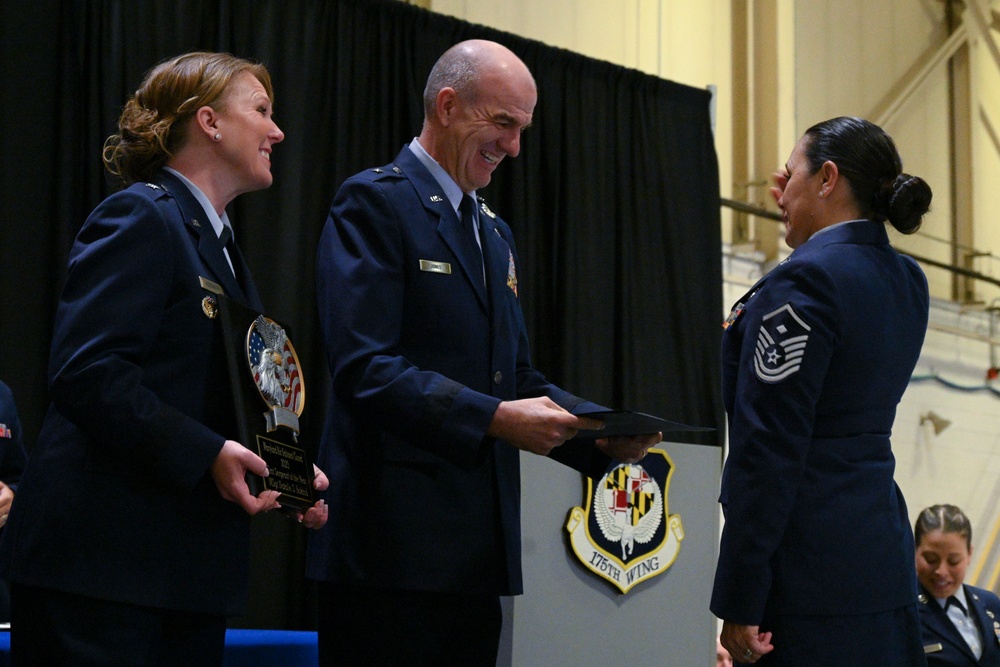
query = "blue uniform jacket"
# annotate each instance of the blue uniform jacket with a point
(12, 456)
(814, 363)
(116, 502)
(945, 646)
(421, 354)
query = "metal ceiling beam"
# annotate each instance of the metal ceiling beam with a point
(979, 14)
(910, 85)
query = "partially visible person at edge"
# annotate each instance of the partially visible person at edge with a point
(722, 657)
(434, 395)
(129, 540)
(12, 460)
(960, 623)
(814, 562)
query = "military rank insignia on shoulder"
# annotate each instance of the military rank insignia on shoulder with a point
(625, 533)
(781, 344)
(386, 171)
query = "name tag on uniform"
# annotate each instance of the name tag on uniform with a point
(933, 648)
(435, 267)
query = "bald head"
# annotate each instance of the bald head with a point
(467, 65)
(479, 98)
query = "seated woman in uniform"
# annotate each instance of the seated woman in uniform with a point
(960, 624)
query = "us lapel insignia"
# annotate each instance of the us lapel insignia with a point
(5, 431)
(624, 533)
(436, 199)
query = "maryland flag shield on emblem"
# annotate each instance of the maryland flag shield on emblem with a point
(625, 532)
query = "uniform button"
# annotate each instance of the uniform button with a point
(497, 377)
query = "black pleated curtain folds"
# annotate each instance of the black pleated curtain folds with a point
(613, 200)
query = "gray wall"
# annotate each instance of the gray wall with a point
(570, 616)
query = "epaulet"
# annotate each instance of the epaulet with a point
(151, 190)
(387, 170)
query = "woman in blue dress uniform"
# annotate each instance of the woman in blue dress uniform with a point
(129, 540)
(960, 623)
(814, 563)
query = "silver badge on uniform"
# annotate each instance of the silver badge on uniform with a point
(781, 344)
(435, 267)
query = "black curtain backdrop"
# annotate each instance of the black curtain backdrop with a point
(614, 199)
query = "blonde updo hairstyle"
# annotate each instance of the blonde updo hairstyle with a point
(154, 123)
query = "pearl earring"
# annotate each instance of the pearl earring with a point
(218, 137)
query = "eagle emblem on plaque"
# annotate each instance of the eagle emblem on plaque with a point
(625, 533)
(272, 363)
(275, 368)
(265, 373)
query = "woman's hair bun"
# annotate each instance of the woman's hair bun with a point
(910, 199)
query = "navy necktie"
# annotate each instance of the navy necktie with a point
(226, 239)
(952, 600)
(468, 210)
